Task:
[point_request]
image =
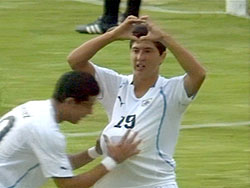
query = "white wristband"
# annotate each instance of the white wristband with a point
(93, 153)
(109, 163)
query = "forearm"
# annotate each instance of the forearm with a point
(87, 50)
(195, 71)
(80, 159)
(126, 148)
(187, 61)
(79, 58)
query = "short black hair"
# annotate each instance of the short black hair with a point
(142, 30)
(76, 84)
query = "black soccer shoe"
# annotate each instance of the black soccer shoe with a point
(97, 27)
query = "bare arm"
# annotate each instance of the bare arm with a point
(80, 159)
(126, 148)
(79, 57)
(195, 72)
(83, 158)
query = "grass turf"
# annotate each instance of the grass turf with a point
(36, 37)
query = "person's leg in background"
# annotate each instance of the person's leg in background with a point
(110, 16)
(104, 22)
(133, 8)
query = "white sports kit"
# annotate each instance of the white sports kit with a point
(32, 148)
(156, 116)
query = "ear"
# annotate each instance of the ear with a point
(163, 56)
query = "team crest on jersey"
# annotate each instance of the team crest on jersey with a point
(146, 102)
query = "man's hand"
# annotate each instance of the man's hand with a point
(155, 33)
(126, 148)
(124, 30)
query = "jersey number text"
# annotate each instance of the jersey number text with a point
(127, 121)
(5, 125)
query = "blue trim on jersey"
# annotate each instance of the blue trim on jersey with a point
(23, 176)
(159, 129)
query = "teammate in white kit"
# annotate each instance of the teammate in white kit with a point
(32, 147)
(144, 101)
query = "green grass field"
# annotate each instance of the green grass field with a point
(36, 37)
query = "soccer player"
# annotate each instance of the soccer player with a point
(145, 101)
(32, 148)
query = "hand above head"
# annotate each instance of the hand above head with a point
(125, 148)
(154, 31)
(124, 30)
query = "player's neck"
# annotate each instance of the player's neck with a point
(56, 108)
(142, 85)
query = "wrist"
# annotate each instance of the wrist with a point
(109, 163)
(110, 36)
(167, 40)
(93, 153)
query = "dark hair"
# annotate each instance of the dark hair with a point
(141, 30)
(76, 84)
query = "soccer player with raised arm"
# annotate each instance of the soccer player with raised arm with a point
(32, 147)
(144, 101)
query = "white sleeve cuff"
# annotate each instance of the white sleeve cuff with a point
(109, 163)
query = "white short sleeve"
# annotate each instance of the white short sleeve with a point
(49, 147)
(109, 82)
(181, 91)
(179, 94)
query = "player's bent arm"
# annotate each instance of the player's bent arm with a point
(126, 148)
(79, 58)
(195, 71)
(79, 160)
(83, 158)
(84, 180)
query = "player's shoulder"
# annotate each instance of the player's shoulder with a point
(35, 104)
(167, 84)
(104, 70)
(40, 113)
(21, 112)
(165, 80)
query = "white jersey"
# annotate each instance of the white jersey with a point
(32, 148)
(156, 116)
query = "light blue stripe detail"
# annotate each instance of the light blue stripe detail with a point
(159, 129)
(23, 176)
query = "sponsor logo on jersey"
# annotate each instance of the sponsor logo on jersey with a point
(120, 100)
(146, 102)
